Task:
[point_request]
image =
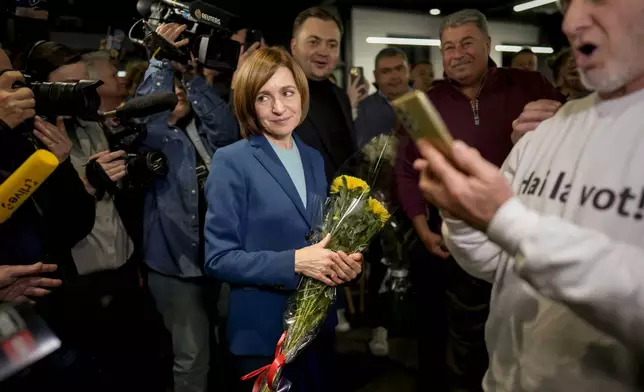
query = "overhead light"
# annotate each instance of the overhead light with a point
(121, 74)
(404, 41)
(516, 48)
(435, 11)
(532, 4)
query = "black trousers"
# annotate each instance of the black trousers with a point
(377, 270)
(468, 308)
(122, 330)
(107, 345)
(452, 310)
(428, 275)
(312, 371)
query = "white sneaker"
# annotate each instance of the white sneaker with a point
(379, 346)
(343, 325)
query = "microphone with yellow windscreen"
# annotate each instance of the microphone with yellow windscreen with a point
(22, 183)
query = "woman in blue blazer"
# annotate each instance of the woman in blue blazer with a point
(262, 195)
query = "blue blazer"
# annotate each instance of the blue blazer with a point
(255, 222)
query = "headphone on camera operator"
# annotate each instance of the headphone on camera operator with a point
(52, 101)
(127, 166)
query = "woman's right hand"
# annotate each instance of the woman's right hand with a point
(328, 267)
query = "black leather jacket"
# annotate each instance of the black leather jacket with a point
(45, 228)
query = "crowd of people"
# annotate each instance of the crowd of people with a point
(525, 276)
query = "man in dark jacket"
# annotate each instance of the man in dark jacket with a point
(44, 229)
(328, 128)
(376, 116)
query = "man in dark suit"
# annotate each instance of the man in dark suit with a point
(328, 128)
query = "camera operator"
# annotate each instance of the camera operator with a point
(44, 230)
(110, 295)
(222, 81)
(175, 208)
(100, 66)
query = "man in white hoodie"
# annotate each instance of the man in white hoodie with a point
(560, 230)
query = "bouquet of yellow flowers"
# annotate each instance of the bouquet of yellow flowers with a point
(354, 212)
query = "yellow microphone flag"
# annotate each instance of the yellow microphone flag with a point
(22, 183)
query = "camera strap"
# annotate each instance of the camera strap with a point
(202, 152)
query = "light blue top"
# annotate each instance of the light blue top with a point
(292, 162)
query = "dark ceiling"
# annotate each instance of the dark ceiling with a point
(494, 9)
(98, 13)
(275, 18)
(446, 6)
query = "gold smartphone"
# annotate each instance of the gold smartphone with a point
(421, 120)
(357, 73)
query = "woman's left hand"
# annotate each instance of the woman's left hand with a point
(54, 137)
(348, 267)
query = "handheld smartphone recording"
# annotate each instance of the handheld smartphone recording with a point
(252, 36)
(421, 120)
(357, 73)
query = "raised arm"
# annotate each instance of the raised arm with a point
(598, 278)
(471, 248)
(218, 125)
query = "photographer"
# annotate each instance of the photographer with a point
(175, 208)
(43, 230)
(110, 295)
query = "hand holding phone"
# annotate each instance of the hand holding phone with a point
(357, 73)
(252, 37)
(421, 120)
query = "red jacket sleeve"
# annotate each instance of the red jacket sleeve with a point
(410, 196)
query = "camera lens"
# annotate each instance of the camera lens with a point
(157, 163)
(78, 99)
(143, 169)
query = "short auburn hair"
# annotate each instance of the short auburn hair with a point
(253, 75)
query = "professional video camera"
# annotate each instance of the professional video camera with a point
(76, 99)
(124, 133)
(208, 32)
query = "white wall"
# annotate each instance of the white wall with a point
(368, 22)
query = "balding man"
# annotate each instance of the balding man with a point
(525, 59)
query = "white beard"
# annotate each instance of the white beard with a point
(604, 82)
(626, 66)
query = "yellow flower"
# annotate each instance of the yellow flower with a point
(351, 183)
(379, 210)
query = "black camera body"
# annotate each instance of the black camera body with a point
(143, 167)
(208, 32)
(73, 99)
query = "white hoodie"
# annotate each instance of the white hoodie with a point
(566, 255)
